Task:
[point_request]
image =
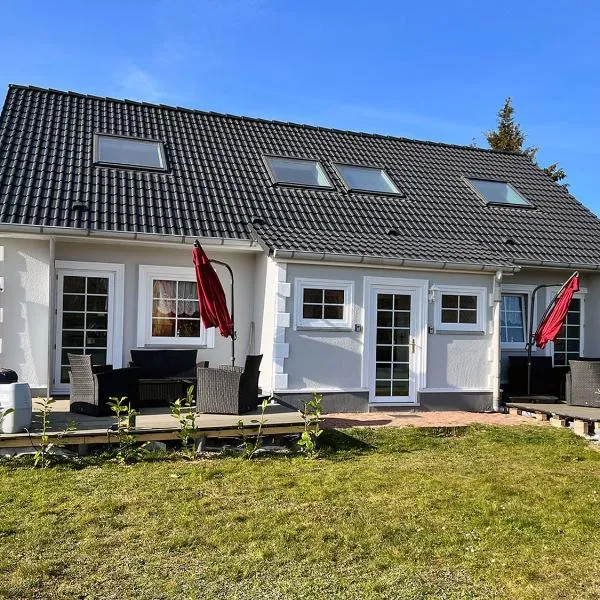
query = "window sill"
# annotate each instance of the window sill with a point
(460, 332)
(324, 328)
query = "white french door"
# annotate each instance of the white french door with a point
(86, 311)
(395, 343)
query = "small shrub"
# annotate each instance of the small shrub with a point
(251, 448)
(182, 410)
(43, 446)
(130, 450)
(312, 426)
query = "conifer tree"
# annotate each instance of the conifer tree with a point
(508, 136)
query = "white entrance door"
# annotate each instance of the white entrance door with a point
(395, 336)
(85, 319)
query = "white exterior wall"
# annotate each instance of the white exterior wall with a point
(134, 254)
(24, 265)
(321, 359)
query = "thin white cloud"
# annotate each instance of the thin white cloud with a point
(136, 83)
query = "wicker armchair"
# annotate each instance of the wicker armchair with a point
(582, 382)
(93, 386)
(229, 390)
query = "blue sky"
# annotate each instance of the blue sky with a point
(430, 70)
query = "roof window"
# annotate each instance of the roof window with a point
(498, 192)
(366, 179)
(129, 152)
(297, 171)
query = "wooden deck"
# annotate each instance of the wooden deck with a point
(583, 420)
(153, 424)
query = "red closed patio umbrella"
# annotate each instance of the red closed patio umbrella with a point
(211, 296)
(556, 313)
(553, 319)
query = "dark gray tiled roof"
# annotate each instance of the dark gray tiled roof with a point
(217, 183)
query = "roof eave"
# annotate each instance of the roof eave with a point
(411, 263)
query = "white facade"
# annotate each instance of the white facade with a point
(309, 342)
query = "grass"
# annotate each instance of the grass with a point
(479, 512)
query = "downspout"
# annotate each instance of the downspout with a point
(497, 300)
(51, 319)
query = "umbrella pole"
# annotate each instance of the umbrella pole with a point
(531, 336)
(233, 332)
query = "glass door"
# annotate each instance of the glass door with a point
(392, 346)
(84, 320)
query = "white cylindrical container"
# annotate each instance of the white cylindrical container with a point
(18, 397)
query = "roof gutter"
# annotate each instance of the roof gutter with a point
(74, 234)
(380, 261)
(547, 264)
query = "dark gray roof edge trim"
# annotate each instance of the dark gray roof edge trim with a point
(259, 120)
(128, 235)
(358, 259)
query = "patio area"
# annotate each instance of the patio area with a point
(152, 424)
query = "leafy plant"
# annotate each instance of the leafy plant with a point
(252, 447)
(312, 426)
(45, 444)
(4, 413)
(129, 450)
(182, 410)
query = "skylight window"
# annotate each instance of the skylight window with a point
(129, 152)
(297, 171)
(498, 192)
(367, 179)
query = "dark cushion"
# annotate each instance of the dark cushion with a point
(165, 362)
(8, 376)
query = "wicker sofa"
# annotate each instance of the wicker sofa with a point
(582, 382)
(165, 374)
(229, 390)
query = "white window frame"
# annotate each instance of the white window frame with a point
(147, 274)
(581, 294)
(518, 290)
(345, 324)
(458, 290)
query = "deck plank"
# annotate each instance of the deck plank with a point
(584, 413)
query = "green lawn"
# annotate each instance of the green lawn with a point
(482, 512)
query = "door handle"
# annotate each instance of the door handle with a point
(412, 345)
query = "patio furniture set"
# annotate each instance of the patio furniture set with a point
(158, 377)
(577, 384)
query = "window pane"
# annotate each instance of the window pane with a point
(384, 318)
(334, 312)
(71, 302)
(383, 353)
(72, 339)
(385, 301)
(163, 308)
(188, 328)
(97, 285)
(401, 354)
(449, 315)
(400, 388)
(402, 302)
(312, 311)
(96, 321)
(164, 289)
(334, 296)
(123, 151)
(400, 370)
(384, 336)
(97, 303)
(367, 178)
(74, 285)
(188, 308)
(163, 327)
(449, 301)
(96, 338)
(402, 319)
(73, 320)
(468, 316)
(297, 171)
(498, 192)
(468, 302)
(383, 371)
(188, 290)
(313, 296)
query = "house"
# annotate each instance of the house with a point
(380, 271)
